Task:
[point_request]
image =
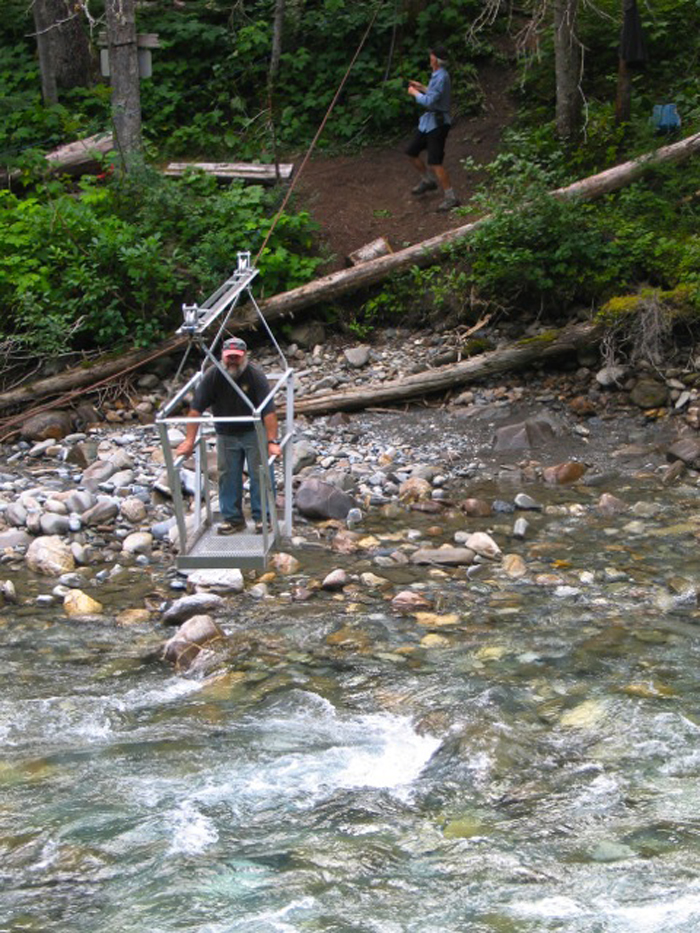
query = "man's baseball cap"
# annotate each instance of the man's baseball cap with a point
(440, 52)
(234, 346)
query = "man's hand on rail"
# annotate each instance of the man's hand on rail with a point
(184, 449)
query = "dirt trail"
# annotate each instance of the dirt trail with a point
(356, 199)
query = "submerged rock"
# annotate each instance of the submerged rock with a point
(198, 634)
(77, 603)
(448, 556)
(189, 606)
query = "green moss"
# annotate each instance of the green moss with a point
(475, 346)
(546, 337)
(680, 303)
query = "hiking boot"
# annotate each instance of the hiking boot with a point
(424, 186)
(447, 204)
(231, 527)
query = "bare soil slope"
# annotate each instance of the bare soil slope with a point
(356, 199)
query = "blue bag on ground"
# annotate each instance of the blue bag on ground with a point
(665, 118)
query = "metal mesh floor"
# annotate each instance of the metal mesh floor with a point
(245, 550)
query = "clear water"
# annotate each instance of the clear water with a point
(539, 772)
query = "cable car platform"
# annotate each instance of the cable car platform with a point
(246, 550)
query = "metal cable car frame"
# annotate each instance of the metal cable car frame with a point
(199, 546)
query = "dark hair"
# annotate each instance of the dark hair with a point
(440, 52)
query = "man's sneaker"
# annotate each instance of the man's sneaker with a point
(258, 528)
(424, 186)
(231, 528)
(447, 204)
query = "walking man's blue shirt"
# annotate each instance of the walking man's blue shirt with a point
(436, 99)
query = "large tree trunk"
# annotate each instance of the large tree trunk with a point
(124, 76)
(277, 27)
(43, 24)
(567, 53)
(520, 354)
(623, 97)
(64, 50)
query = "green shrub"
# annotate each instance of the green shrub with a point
(114, 264)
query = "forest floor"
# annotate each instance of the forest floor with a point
(357, 198)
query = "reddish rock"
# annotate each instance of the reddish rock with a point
(583, 406)
(569, 472)
(478, 508)
(47, 424)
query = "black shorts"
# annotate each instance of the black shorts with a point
(434, 142)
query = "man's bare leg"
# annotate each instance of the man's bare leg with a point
(427, 182)
(449, 197)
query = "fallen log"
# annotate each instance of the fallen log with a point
(77, 158)
(245, 171)
(378, 247)
(546, 346)
(83, 376)
(81, 156)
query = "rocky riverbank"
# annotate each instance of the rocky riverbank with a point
(479, 492)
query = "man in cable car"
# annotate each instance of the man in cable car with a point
(236, 442)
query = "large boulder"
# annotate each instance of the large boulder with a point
(308, 335)
(483, 544)
(104, 510)
(47, 424)
(357, 357)
(305, 454)
(14, 537)
(319, 500)
(415, 489)
(533, 432)
(138, 542)
(216, 580)
(649, 393)
(50, 555)
(560, 474)
(198, 634)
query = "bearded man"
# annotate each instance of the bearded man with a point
(236, 441)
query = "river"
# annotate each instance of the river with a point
(533, 768)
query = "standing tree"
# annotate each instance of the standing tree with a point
(632, 54)
(65, 60)
(277, 27)
(124, 76)
(568, 57)
(568, 66)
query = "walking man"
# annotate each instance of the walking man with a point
(433, 127)
(236, 441)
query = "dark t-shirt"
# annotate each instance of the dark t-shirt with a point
(216, 392)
